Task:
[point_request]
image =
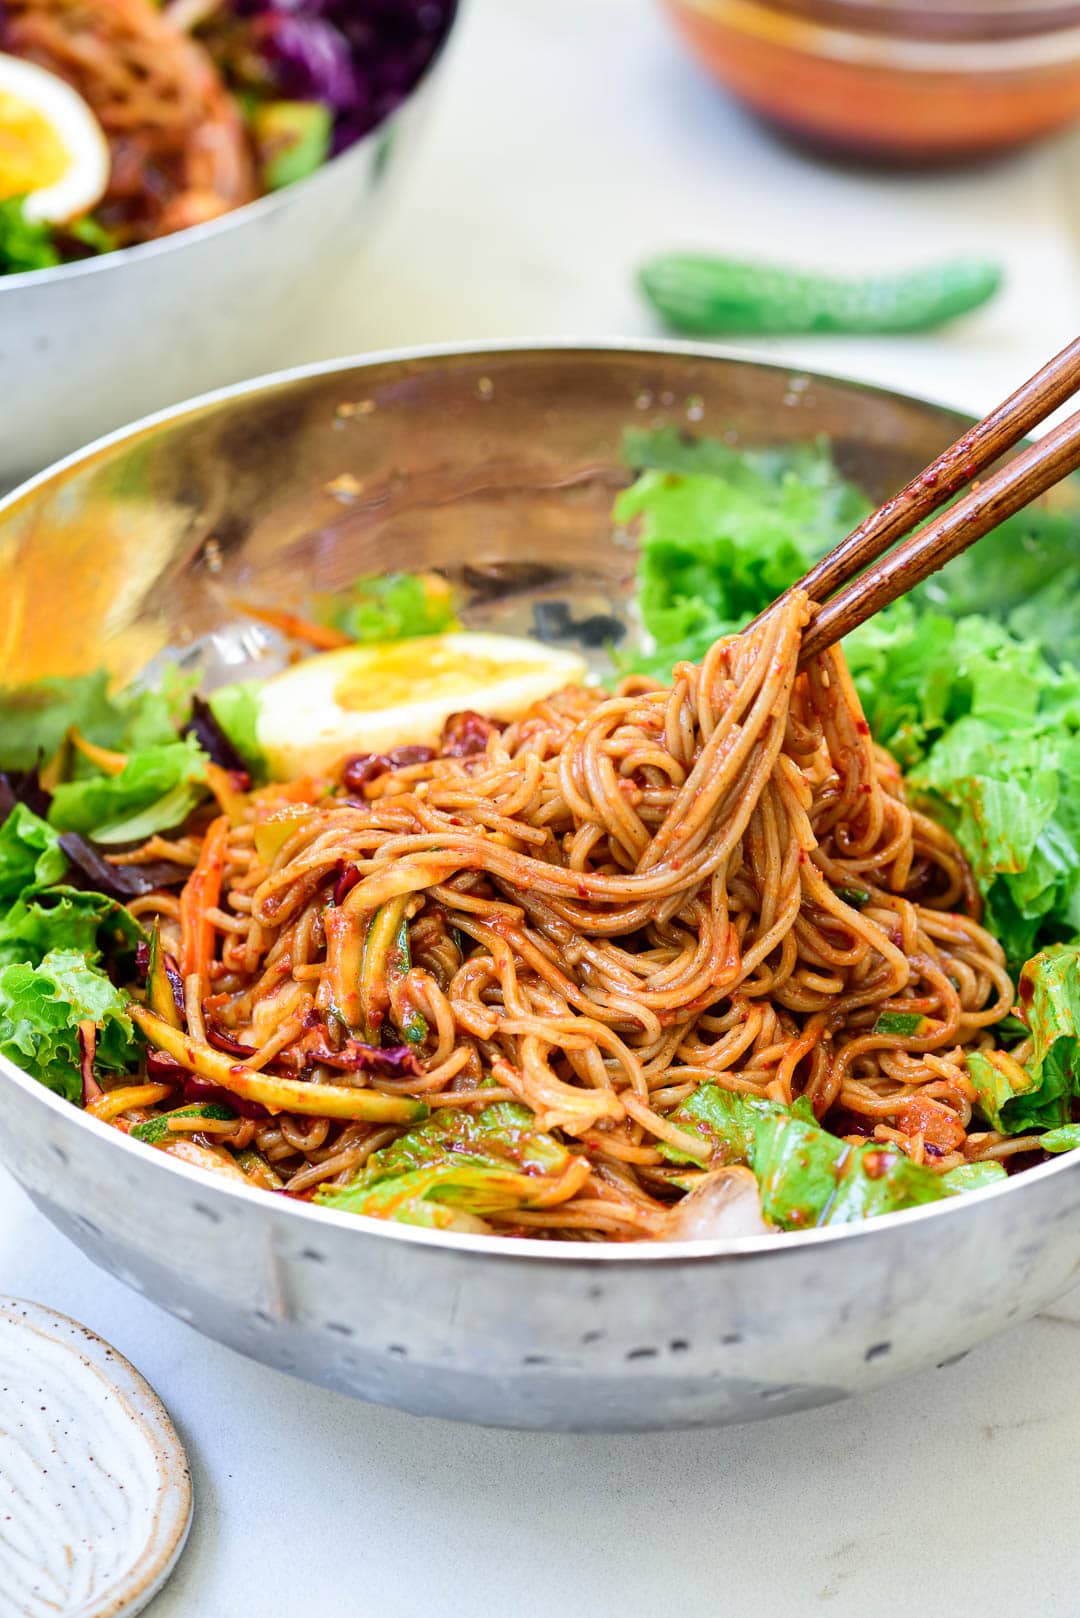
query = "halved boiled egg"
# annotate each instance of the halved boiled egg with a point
(369, 699)
(53, 151)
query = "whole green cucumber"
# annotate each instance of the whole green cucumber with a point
(712, 297)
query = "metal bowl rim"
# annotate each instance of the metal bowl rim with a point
(508, 1247)
(259, 207)
(520, 348)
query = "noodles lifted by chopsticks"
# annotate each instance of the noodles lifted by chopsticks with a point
(612, 900)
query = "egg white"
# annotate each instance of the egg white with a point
(84, 180)
(306, 727)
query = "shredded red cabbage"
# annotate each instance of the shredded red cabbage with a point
(196, 1089)
(214, 742)
(22, 786)
(90, 870)
(360, 57)
(388, 1062)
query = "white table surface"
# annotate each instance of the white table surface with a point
(570, 139)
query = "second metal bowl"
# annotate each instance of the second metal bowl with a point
(88, 346)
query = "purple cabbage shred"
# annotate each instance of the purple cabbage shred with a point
(212, 739)
(360, 57)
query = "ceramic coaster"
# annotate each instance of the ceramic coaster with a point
(95, 1493)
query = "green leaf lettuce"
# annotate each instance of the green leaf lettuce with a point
(40, 1011)
(454, 1168)
(30, 853)
(156, 789)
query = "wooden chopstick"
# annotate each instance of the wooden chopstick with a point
(973, 451)
(1006, 491)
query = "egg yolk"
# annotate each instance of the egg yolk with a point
(412, 673)
(32, 155)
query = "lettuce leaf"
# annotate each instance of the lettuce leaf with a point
(30, 853)
(974, 1176)
(807, 1177)
(40, 1011)
(43, 920)
(502, 1134)
(161, 781)
(721, 533)
(1065, 1139)
(389, 606)
(236, 709)
(25, 244)
(156, 789)
(455, 1167)
(35, 718)
(1025, 573)
(726, 1123)
(811, 464)
(1015, 1100)
(989, 731)
(443, 1196)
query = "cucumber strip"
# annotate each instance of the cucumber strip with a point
(160, 990)
(153, 1131)
(902, 1023)
(412, 1024)
(259, 1168)
(385, 929)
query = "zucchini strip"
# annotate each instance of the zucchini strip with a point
(276, 1095)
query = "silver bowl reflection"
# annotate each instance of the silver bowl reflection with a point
(86, 347)
(500, 466)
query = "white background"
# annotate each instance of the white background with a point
(570, 139)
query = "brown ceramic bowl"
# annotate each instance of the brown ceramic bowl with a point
(906, 80)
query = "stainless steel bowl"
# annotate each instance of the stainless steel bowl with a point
(501, 466)
(88, 346)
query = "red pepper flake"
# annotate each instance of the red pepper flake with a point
(362, 768)
(348, 877)
(1026, 988)
(465, 734)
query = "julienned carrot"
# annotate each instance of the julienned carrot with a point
(321, 636)
(201, 891)
(107, 761)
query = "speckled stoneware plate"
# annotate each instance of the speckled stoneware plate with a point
(95, 1493)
